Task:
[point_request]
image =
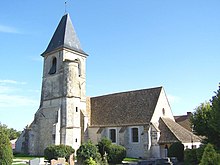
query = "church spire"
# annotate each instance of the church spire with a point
(64, 37)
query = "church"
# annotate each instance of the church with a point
(140, 120)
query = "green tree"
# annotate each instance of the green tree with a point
(87, 151)
(176, 150)
(6, 155)
(210, 156)
(201, 119)
(10, 132)
(205, 120)
(104, 146)
(56, 151)
(215, 119)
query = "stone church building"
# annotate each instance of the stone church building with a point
(141, 120)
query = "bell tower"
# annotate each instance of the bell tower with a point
(61, 117)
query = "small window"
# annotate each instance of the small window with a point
(76, 109)
(134, 135)
(163, 111)
(53, 138)
(79, 69)
(112, 135)
(53, 66)
(56, 117)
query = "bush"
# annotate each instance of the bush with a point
(104, 146)
(116, 154)
(193, 156)
(176, 150)
(87, 151)
(90, 161)
(210, 156)
(199, 152)
(6, 154)
(190, 157)
(57, 151)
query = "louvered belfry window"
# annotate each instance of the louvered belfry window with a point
(53, 68)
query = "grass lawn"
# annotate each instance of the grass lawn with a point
(131, 159)
(20, 159)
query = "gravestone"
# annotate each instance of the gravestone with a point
(71, 160)
(60, 161)
(37, 161)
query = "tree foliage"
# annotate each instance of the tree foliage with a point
(193, 156)
(57, 151)
(104, 146)
(115, 153)
(10, 132)
(87, 151)
(176, 150)
(210, 156)
(206, 120)
(6, 154)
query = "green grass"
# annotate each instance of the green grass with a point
(23, 157)
(131, 159)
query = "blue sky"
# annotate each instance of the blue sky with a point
(131, 45)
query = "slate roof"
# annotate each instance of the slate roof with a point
(123, 109)
(173, 132)
(64, 37)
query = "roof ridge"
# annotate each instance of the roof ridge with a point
(124, 92)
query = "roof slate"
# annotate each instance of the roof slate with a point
(64, 37)
(173, 132)
(126, 108)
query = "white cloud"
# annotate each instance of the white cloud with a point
(16, 101)
(11, 82)
(12, 94)
(8, 29)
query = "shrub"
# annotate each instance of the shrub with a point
(210, 156)
(176, 150)
(6, 155)
(199, 152)
(104, 146)
(116, 154)
(57, 151)
(193, 156)
(190, 157)
(90, 161)
(87, 151)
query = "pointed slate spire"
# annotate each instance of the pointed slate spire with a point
(64, 37)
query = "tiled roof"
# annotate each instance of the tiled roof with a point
(184, 121)
(173, 132)
(126, 108)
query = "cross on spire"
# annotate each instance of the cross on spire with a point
(66, 6)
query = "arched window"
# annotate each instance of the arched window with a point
(53, 66)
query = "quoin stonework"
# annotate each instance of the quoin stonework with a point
(141, 120)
